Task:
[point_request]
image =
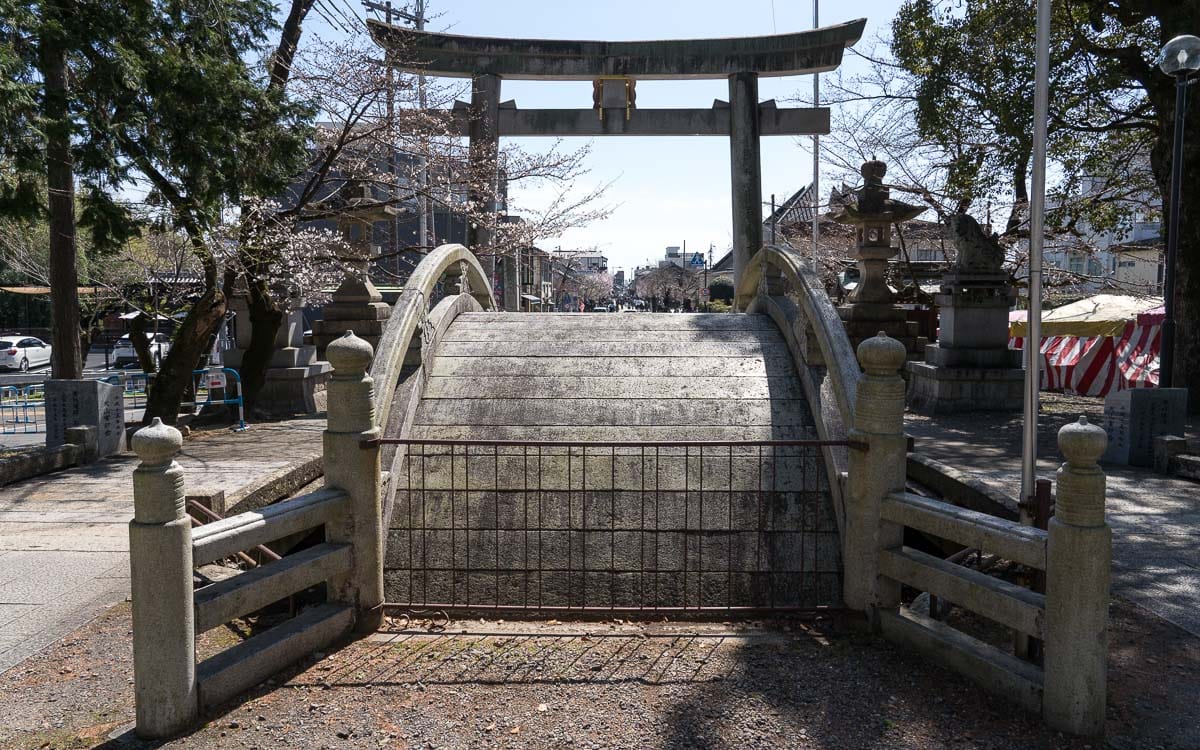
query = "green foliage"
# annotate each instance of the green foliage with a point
(161, 90)
(972, 66)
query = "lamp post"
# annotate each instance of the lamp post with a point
(1180, 58)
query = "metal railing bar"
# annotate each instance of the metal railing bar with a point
(855, 444)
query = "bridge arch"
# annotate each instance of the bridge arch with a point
(779, 282)
(412, 330)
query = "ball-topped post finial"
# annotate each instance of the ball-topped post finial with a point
(1082, 443)
(881, 355)
(349, 354)
(157, 443)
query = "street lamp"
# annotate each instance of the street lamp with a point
(1180, 58)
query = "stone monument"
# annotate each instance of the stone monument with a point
(1134, 417)
(970, 368)
(86, 403)
(872, 307)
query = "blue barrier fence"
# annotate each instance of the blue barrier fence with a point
(211, 386)
(22, 409)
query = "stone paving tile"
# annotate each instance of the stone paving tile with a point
(24, 579)
(11, 611)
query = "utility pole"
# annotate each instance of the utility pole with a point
(417, 19)
(816, 180)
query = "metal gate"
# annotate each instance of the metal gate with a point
(613, 526)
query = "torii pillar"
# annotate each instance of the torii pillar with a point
(745, 169)
(483, 130)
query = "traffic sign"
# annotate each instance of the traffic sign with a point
(697, 259)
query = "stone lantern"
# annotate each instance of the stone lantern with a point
(872, 305)
(356, 305)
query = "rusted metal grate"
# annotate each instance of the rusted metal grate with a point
(613, 527)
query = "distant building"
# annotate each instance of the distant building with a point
(676, 256)
(593, 263)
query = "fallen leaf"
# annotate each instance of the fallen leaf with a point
(543, 708)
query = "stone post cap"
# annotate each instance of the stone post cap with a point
(881, 355)
(349, 354)
(1082, 443)
(157, 443)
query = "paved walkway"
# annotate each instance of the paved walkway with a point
(64, 537)
(1155, 519)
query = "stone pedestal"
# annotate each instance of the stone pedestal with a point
(356, 306)
(86, 403)
(1134, 418)
(971, 367)
(296, 379)
(863, 320)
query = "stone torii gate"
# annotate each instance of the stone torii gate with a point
(615, 68)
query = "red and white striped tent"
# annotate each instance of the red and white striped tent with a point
(1097, 345)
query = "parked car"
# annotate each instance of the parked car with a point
(599, 309)
(124, 354)
(21, 352)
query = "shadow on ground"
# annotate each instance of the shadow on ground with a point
(615, 685)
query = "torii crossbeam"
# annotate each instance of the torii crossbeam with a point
(615, 67)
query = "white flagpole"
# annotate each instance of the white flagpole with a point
(816, 178)
(1037, 212)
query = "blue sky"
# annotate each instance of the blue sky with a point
(665, 190)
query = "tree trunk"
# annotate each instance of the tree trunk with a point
(1187, 264)
(141, 345)
(66, 360)
(1020, 209)
(265, 319)
(191, 344)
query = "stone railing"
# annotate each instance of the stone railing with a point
(778, 282)
(412, 332)
(171, 689)
(1071, 618)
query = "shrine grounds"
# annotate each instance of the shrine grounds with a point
(820, 683)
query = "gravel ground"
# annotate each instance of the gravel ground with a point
(611, 685)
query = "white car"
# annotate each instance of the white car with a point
(21, 352)
(124, 354)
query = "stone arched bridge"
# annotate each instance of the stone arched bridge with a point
(619, 461)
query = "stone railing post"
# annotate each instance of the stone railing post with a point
(355, 469)
(874, 473)
(160, 573)
(1078, 559)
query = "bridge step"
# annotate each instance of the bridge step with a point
(248, 592)
(1008, 604)
(982, 663)
(611, 376)
(243, 666)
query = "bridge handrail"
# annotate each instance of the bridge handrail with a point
(410, 311)
(819, 312)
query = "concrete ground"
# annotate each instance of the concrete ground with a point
(64, 536)
(1155, 519)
